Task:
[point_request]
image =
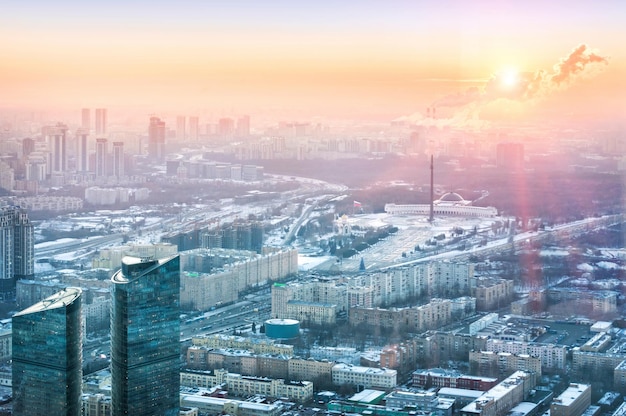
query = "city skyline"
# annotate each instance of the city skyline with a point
(354, 60)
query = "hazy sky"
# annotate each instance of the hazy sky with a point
(353, 58)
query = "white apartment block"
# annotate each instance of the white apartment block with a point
(97, 313)
(199, 290)
(111, 258)
(498, 400)
(504, 362)
(312, 312)
(573, 401)
(258, 346)
(436, 279)
(218, 406)
(551, 356)
(309, 369)
(364, 377)
(239, 385)
(50, 203)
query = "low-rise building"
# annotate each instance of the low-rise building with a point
(436, 313)
(258, 346)
(501, 364)
(364, 377)
(598, 343)
(216, 405)
(552, 356)
(590, 365)
(239, 385)
(501, 398)
(96, 405)
(461, 397)
(309, 369)
(311, 313)
(572, 402)
(439, 378)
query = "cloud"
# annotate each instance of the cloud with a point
(517, 88)
(529, 85)
(575, 63)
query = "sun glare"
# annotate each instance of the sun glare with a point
(509, 78)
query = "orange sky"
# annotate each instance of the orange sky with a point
(356, 59)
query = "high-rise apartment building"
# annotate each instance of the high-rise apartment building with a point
(23, 245)
(243, 126)
(226, 127)
(82, 152)
(47, 356)
(16, 249)
(85, 119)
(101, 157)
(145, 346)
(193, 128)
(28, 146)
(181, 122)
(57, 144)
(101, 121)
(118, 159)
(156, 139)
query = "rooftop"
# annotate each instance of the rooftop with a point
(571, 394)
(58, 300)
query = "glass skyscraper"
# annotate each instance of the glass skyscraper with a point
(47, 356)
(145, 332)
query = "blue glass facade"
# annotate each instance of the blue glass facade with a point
(145, 340)
(47, 356)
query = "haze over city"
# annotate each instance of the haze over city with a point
(316, 208)
(485, 60)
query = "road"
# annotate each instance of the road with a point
(54, 249)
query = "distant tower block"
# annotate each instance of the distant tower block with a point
(118, 159)
(58, 148)
(431, 217)
(156, 139)
(101, 157)
(101, 121)
(82, 155)
(193, 128)
(181, 123)
(85, 114)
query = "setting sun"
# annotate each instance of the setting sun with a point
(509, 78)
